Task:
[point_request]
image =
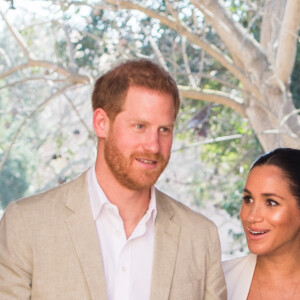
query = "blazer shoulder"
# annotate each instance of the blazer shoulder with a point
(52, 197)
(181, 212)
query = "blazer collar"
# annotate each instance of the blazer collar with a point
(165, 248)
(83, 233)
(85, 240)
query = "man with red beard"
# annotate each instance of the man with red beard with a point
(110, 234)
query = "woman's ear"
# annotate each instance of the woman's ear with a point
(101, 123)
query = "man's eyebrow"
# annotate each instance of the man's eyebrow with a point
(139, 120)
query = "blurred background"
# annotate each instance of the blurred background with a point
(236, 62)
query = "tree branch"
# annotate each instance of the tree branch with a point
(29, 116)
(213, 96)
(5, 57)
(270, 26)
(245, 50)
(33, 78)
(17, 36)
(209, 141)
(287, 45)
(90, 133)
(155, 48)
(72, 66)
(211, 49)
(186, 63)
(74, 77)
(182, 29)
(81, 3)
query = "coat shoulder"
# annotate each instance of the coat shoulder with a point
(49, 200)
(183, 214)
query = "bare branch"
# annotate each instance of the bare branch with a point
(213, 96)
(75, 78)
(270, 27)
(287, 45)
(5, 57)
(209, 141)
(172, 11)
(211, 49)
(91, 35)
(17, 36)
(186, 62)
(73, 66)
(155, 48)
(90, 133)
(33, 78)
(186, 31)
(81, 3)
(245, 50)
(29, 116)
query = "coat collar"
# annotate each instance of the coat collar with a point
(83, 233)
(166, 242)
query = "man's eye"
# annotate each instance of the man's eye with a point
(139, 126)
(164, 130)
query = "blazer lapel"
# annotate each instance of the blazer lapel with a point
(83, 232)
(165, 249)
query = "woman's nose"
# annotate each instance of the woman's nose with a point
(255, 214)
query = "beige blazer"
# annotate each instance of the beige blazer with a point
(49, 250)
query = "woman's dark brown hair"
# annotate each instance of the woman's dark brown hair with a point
(288, 160)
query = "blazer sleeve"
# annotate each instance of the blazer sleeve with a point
(215, 282)
(15, 256)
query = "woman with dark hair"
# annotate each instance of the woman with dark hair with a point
(270, 216)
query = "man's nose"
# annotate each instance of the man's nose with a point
(152, 142)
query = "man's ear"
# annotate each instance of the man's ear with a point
(101, 123)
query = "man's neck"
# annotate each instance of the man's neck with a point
(132, 204)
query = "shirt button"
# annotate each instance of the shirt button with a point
(123, 269)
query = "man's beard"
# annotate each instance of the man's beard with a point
(126, 172)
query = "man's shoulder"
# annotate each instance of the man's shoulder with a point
(51, 197)
(182, 212)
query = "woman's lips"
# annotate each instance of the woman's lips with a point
(256, 234)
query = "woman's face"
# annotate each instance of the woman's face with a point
(269, 213)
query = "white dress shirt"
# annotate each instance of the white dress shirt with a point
(127, 262)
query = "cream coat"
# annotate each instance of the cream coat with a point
(49, 250)
(238, 274)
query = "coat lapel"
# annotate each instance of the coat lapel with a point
(83, 232)
(165, 249)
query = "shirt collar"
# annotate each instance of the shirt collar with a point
(98, 198)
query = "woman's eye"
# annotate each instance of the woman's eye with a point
(271, 202)
(247, 199)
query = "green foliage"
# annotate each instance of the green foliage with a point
(13, 180)
(225, 163)
(295, 79)
(248, 14)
